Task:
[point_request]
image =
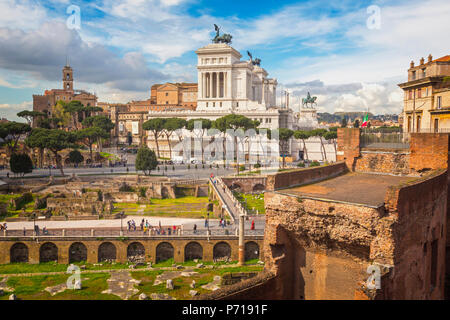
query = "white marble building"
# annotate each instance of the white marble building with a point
(227, 85)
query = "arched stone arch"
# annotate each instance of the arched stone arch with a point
(67, 161)
(107, 252)
(236, 187)
(18, 253)
(48, 252)
(251, 250)
(164, 192)
(77, 252)
(164, 251)
(259, 187)
(136, 252)
(193, 250)
(221, 250)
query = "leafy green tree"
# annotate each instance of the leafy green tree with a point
(74, 107)
(102, 122)
(54, 140)
(356, 124)
(320, 133)
(156, 127)
(12, 133)
(21, 163)
(170, 126)
(344, 122)
(284, 135)
(75, 157)
(234, 122)
(31, 115)
(146, 160)
(89, 136)
(331, 135)
(206, 124)
(303, 135)
(60, 117)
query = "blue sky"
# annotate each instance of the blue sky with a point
(125, 46)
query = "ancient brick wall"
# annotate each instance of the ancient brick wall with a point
(429, 151)
(302, 176)
(383, 162)
(246, 184)
(419, 210)
(26, 249)
(321, 250)
(348, 142)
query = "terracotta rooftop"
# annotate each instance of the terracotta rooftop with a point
(358, 188)
(443, 59)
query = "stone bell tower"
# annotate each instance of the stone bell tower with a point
(67, 78)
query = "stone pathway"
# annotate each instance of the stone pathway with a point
(122, 284)
(214, 285)
(170, 275)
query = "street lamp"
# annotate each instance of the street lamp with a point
(33, 215)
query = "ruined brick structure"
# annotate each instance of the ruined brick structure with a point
(92, 249)
(326, 226)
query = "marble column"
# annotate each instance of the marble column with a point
(211, 77)
(263, 91)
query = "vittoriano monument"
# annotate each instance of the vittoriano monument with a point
(309, 100)
(225, 38)
(256, 62)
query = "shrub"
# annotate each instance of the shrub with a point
(125, 188)
(242, 168)
(258, 165)
(315, 164)
(23, 200)
(143, 192)
(301, 165)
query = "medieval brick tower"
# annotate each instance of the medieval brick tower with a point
(67, 78)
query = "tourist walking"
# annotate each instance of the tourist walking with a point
(195, 228)
(253, 225)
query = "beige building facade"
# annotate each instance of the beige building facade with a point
(427, 96)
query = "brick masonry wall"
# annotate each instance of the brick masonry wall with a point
(92, 245)
(429, 151)
(303, 176)
(383, 162)
(247, 184)
(348, 146)
(419, 209)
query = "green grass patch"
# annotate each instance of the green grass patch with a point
(252, 202)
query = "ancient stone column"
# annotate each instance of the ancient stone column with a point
(241, 241)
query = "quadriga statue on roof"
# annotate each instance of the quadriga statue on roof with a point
(225, 38)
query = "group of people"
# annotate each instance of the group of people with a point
(145, 226)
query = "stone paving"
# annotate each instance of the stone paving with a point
(122, 284)
(214, 285)
(170, 275)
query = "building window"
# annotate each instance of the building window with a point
(167, 102)
(214, 104)
(419, 93)
(427, 94)
(439, 102)
(436, 125)
(207, 104)
(418, 124)
(220, 104)
(424, 72)
(409, 124)
(410, 94)
(167, 94)
(413, 77)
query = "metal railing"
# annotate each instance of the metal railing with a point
(384, 140)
